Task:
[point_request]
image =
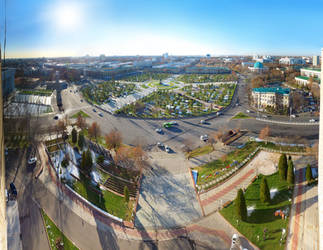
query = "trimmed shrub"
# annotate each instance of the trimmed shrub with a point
(264, 190)
(241, 207)
(282, 167)
(81, 141)
(309, 176)
(290, 172)
(74, 135)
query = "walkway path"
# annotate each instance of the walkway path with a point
(303, 233)
(90, 230)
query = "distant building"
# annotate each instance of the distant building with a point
(291, 61)
(247, 64)
(273, 97)
(258, 67)
(165, 55)
(316, 60)
(306, 74)
(8, 81)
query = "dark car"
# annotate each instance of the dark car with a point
(13, 189)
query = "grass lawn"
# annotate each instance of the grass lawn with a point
(241, 115)
(55, 235)
(201, 151)
(211, 168)
(109, 202)
(263, 215)
(81, 113)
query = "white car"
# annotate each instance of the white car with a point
(312, 120)
(293, 116)
(158, 130)
(218, 113)
(235, 243)
(160, 144)
(204, 137)
(248, 111)
(167, 149)
(32, 160)
(202, 122)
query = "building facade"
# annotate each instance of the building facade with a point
(8, 81)
(258, 67)
(306, 74)
(262, 98)
(3, 219)
(316, 60)
(291, 61)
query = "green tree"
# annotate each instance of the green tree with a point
(100, 159)
(264, 190)
(290, 172)
(74, 135)
(241, 207)
(309, 176)
(86, 162)
(81, 140)
(282, 166)
(126, 194)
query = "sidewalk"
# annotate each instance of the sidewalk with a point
(13, 226)
(303, 232)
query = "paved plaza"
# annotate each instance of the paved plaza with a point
(167, 197)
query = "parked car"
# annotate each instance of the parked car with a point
(204, 137)
(32, 160)
(13, 190)
(160, 144)
(218, 113)
(55, 117)
(235, 242)
(248, 111)
(173, 122)
(159, 130)
(167, 149)
(100, 114)
(81, 100)
(202, 122)
(94, 110)
(293, 116)
(312, 120)
(264, 116)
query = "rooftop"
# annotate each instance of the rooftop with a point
(312, 69)
(278, 90)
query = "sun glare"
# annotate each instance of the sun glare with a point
(68, 16)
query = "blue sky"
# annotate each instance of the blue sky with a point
(179, 27)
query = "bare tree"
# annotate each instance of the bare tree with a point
(113, 140)
(264, 133)
(80, 122)
(95, 131)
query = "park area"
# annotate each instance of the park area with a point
(90, 170)
(264, 226)
(214, 172)
(207, 78)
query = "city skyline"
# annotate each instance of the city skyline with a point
(77, 28)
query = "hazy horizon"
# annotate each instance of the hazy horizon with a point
(124, 28)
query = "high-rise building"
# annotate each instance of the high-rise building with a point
(316, 60)
(320, 184)
(8, 81)
(3, 220)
